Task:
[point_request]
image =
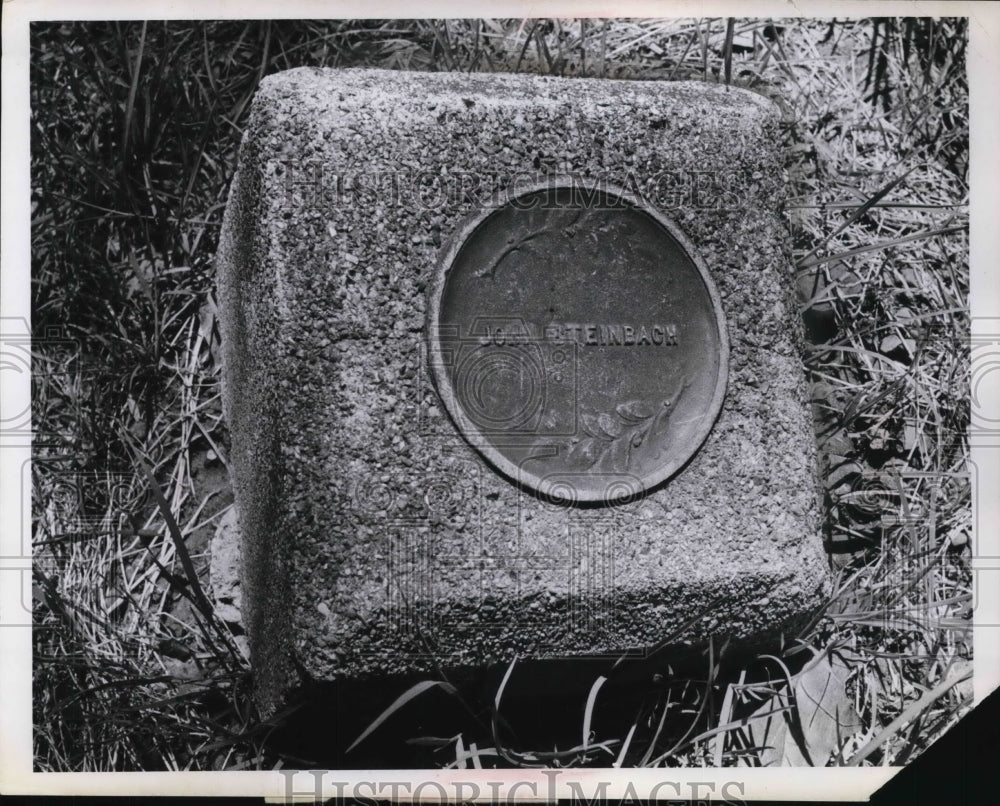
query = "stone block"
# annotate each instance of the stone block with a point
(377, 538)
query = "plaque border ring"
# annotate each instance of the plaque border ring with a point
(474, 435)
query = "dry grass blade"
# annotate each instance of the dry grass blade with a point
(506, 754)
(728, 50)
(911, 713)
(399, 702)
(133, 88)
(736, 724)
(792, 715)
(702, 705)
(877, 247)
(588, 711)
(527, 43)
(724, 714)
(625, 746)
(503, 685)
(867, 205)
(651, 748)
(475, 755)
(179, 545)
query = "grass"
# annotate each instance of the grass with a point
(134, 134)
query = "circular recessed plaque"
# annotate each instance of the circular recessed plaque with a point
(578, 342)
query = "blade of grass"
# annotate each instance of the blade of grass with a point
(724, 714)
(727, 50)
(712, 672)
(656, 735)
(175, 534)
(792, 716)
(854, 216)
(687, 49)
(588, 710)
(909, 714)
(130, 104)
(625, 746)
(742, 722)
(881, 245)
(507, 755)
(399, 702)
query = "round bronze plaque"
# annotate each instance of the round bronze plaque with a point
(578, 342)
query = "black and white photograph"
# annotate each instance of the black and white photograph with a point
(603, 400)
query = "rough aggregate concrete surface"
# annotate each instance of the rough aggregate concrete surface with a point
(375, 541)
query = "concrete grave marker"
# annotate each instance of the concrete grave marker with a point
(511, 366)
